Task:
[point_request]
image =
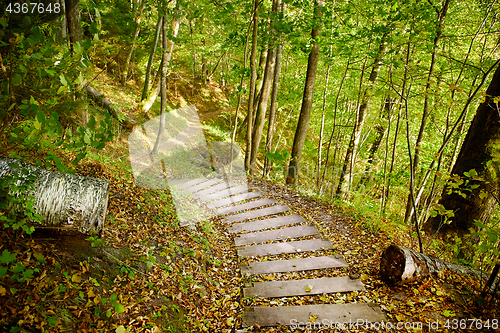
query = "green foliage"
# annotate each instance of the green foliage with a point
(279, 159)
(16, 199)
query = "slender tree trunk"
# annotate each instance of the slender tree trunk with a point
(73, 21)
(306, 109)
(163, 87)
(264, 97)
(136, 33)
(272, 111)
(253, 78)
(380, 130)
(235, 125)
(360, 120)
(425, 112)
(396, 131)
(334, 124)
(151, 57)
(167, 57)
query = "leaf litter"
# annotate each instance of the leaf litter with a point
(148, 274)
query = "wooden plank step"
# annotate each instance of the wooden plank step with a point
(287, 247)
(277, 234)
(256, 213)
(234, 199)
(293, 265)
(326, 285)
(224, 193)
(245, 206)
(219, 187)
(191, 183)
(273, 222)
(203, 185)
(179, 181)
(326, 313)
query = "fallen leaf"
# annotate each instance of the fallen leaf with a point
(120, 329)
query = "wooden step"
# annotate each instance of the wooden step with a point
(203, 185)
(256, 213)
(286, 247)
(234, 199)
(277, 234)
(191, 182)
(224, 193)
(247, 205)
(293, 265)
(179, 181)
(273, 222)
(219, 187)
(326, 285)
(327, 314)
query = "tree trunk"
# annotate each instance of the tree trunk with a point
(380, 130)
(306, 109)
(360, 120)
(73, 21)
(163, 88)
(65, 201)
(476, 153)
(253, 79)
(334, 125)
(151, 57)
(272, 111)
(136, 33)
(240, 94)
(399, 264)
(425, 112)
(267, 81)
(167, 56)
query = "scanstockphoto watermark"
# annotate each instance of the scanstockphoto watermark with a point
(358, 324)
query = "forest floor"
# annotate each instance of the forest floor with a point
(148, 274)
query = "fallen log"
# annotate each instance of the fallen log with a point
(65, 201)
(114, 111)
(399, 264)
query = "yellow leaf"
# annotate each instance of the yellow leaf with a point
(76, 278)
(363, 277)
(120, 329)
(90, 293)
(2, 291)
(309, 288)
(312, 319)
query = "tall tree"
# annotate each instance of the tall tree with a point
(253, 79)
(159, 26)
(272, 110)
(360, 118)
(167, 56)
(132, 47)
(477, 152)
(267, 80)
(73, 21)
(307, 99)
(441, 15)
(163, 83)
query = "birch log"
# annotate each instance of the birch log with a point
(399, 264)
(115, 111)
(65, 201)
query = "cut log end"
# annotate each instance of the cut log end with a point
(392, 264)
(399, 264)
